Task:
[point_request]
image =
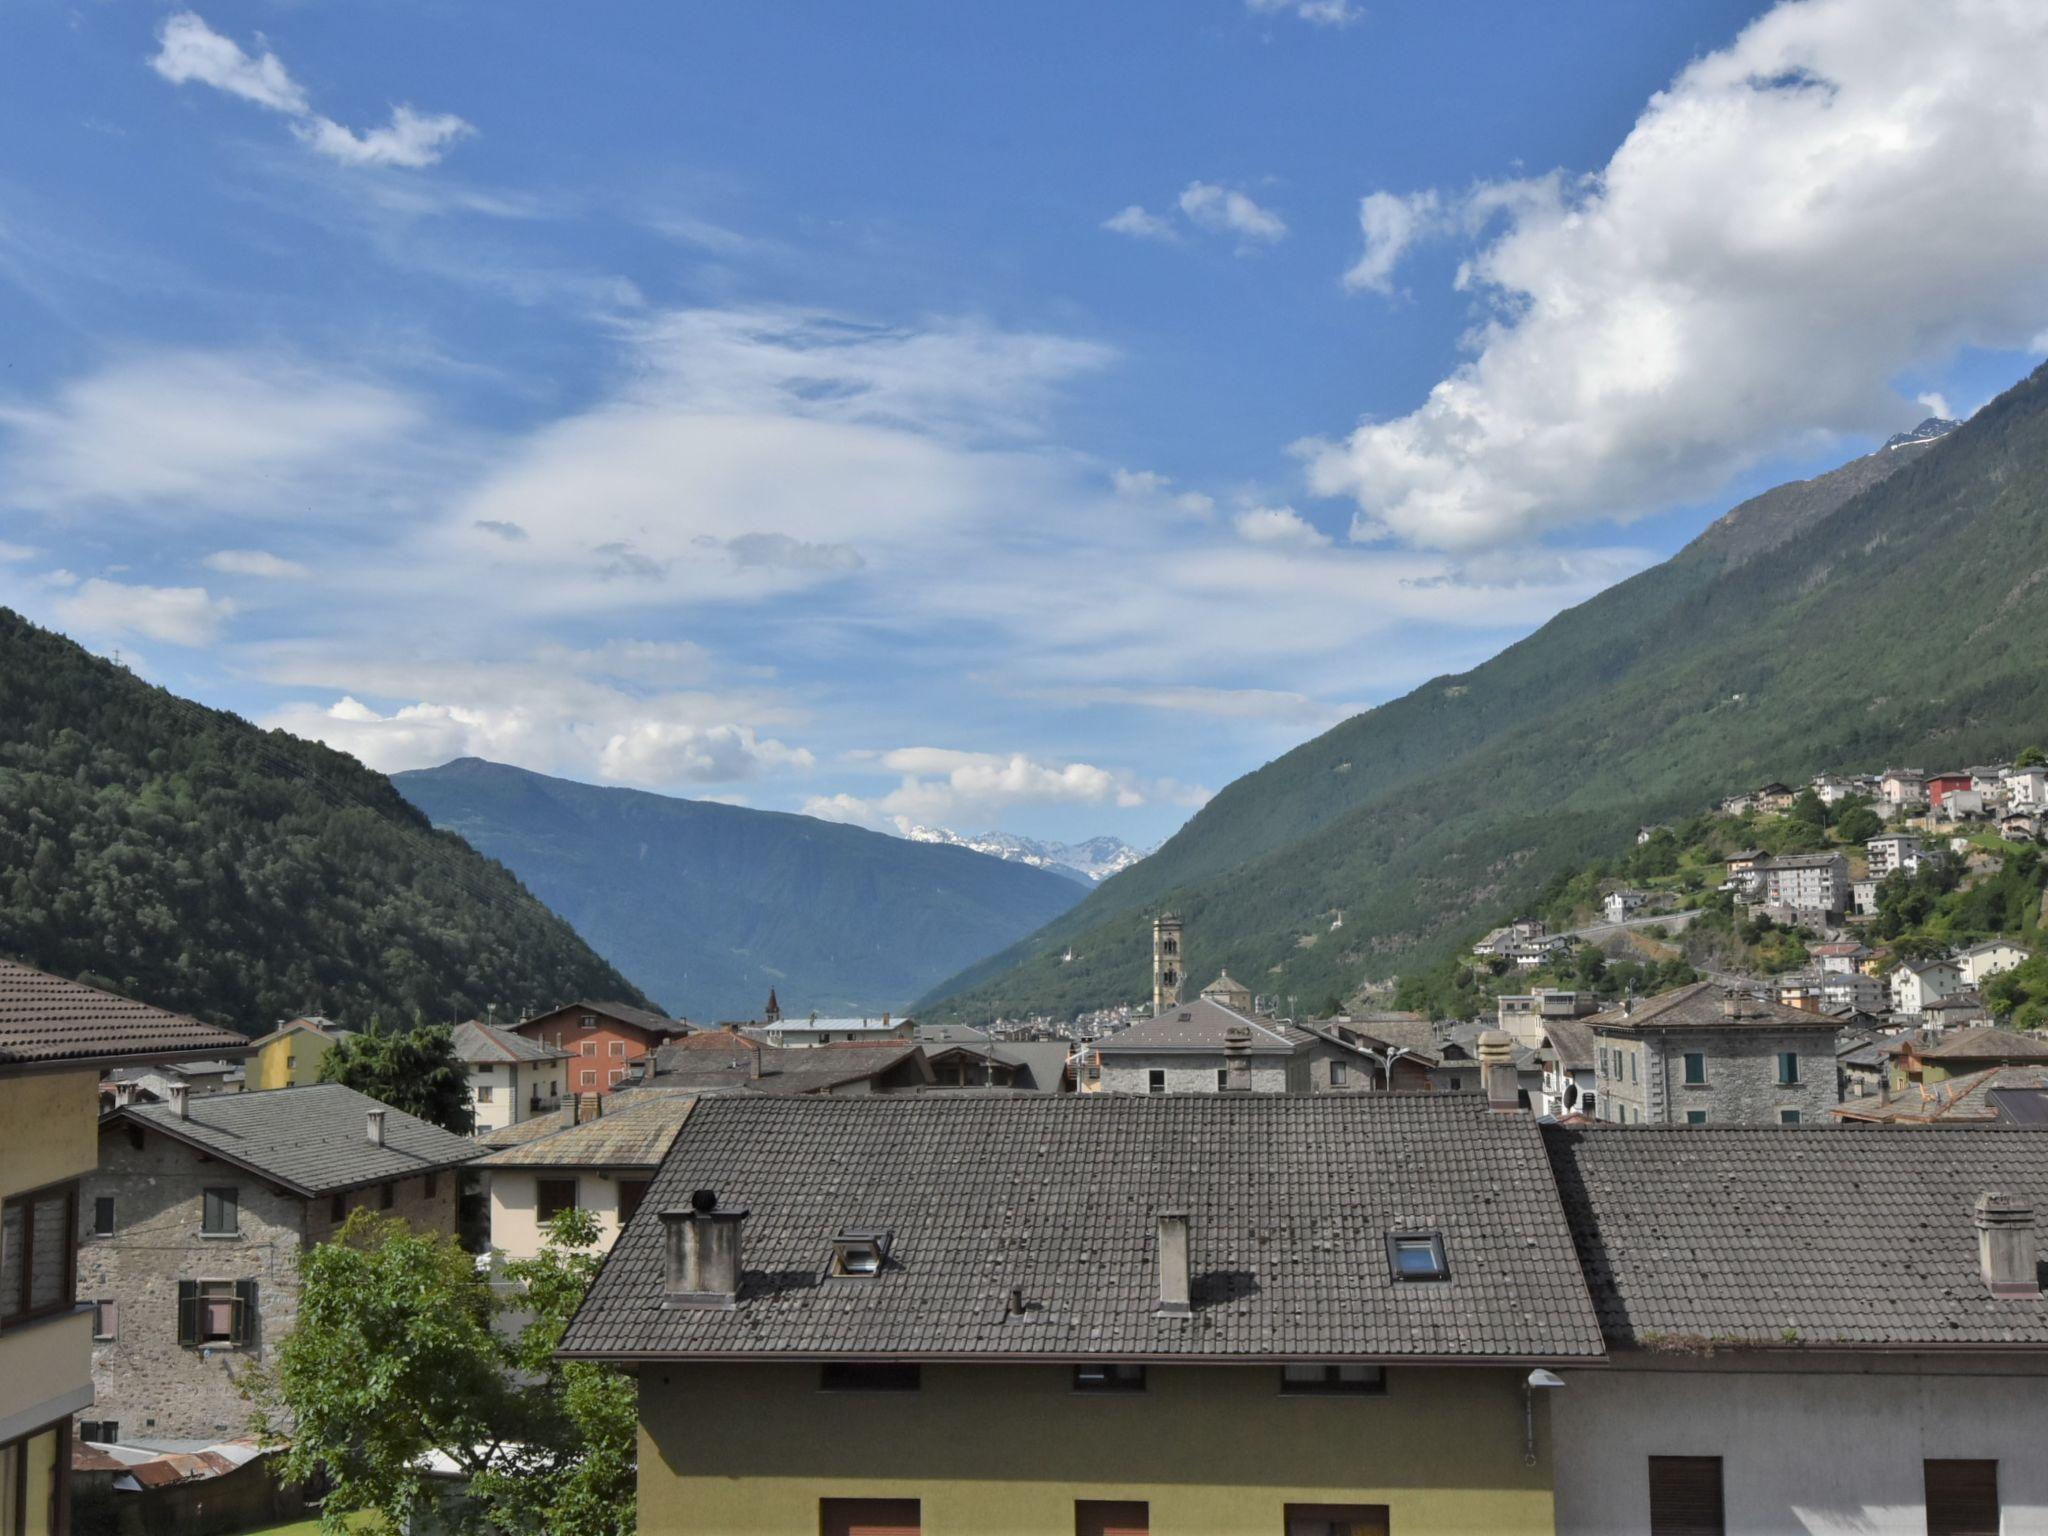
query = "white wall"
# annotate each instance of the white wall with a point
(1825, 1450)
(515, 1224)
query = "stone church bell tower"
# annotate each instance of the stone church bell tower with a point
(1169, 964)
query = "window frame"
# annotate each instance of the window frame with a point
(106, 1320)
(1397, 1241)
(541, 1213)
(106, 1204)
(1789, 1059)
(1686, 1059)
(484, 1092)
(1155, 1080)
(1331, 1385)
(870, 1376)
(215, 1199)
(19, 1309)
(1695, 1117)
(1110, 1378)
(195, 1300)
(1790, 1117)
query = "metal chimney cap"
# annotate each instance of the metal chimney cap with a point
(703, 1201)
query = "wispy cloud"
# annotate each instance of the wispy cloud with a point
(941, 785)
(255, 562)
(189, 616)
(1321, 13)
(1208, 207)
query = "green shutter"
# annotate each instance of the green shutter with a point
(245, 1311)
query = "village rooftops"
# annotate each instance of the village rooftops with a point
(1977, 1045)
(48, 1023)
(1571, 1044)
(1203, 1025)
(1698, 1238)
(313, 1141)
(1028, 1227)
(625, 1013)
(714, 1059)
(1953, 1101)
(635, 1133)
(1707, 1005)
(474, 1040)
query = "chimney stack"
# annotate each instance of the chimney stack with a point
(375, 1130)
(701, 1249)
(1731, 1004)
(181, 1100)
(1237, 1058)
(1175, 1295)
(2006, 1248)
(1497, 1072)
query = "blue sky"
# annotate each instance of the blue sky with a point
(1026, 416)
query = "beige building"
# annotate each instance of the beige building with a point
(602, 1166)
(56, 1037)
(511, 1077)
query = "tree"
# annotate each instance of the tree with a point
(414, 1070)
(395, 1358)
(1858, 824)
(2032, 757)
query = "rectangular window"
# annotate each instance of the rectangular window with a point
(483, 1093)
(590, 1047)
(1155, 1080)
(103, 1216)
(1314, 1376)
(1633, 1075)
(1603, 1062)
(553, 1196)
(1109, 1376)
(618, 1047)
(1417, 1256)
(97, 1432)
(1788, 1069)
(220, 1215)
(1695, 1117)
(1685, 1496)
(631, 1193)
(387, 1195)
(1336, 1520)
(1112, 1517)
(1962, 1498)
(106, 1320)
(616, 1075)
(432, 1185)
(1788, 1117)
(1695, 1067)
(589, 1078)
(870, 1376)
(337, 1209)
(38, 1253)
(1339, 1074)
(216, 1312)
(1222, 1079)
(869, 1517)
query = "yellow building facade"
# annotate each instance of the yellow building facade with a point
(290, 1056)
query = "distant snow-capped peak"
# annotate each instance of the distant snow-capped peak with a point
(1090, 861)
(1926, 432)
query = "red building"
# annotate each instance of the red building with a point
(1941, 785)
(601, 1038)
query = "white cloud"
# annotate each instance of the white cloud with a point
(1140, 224)
(657, 752)
(1321, 13)
(178, 615)
(1225, 210)
(1390, 225)
(1845, 193)
(1281, 527)
(190, 51)
(11, 553)
(941, 784)
(1145, 484)
(255, 562)
(220, 428)
(1937, 404)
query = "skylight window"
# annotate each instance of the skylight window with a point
(859, 1253)
(1417, 1256)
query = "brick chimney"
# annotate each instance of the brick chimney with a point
(375, 1129)
(701, 1253)
(2006, 1247)
(1174, 1283)
(1497, 1072)
(181, 1100)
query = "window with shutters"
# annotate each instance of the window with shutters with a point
(1336, 1520)
(1112, 1517)
(220, 1214)
(553, 1196)
(38, 1253)
(1685, 1496)
(1962, 1498)
(1695, 1067)
(1788, 1069)
(216, 1312)
(870, 1517)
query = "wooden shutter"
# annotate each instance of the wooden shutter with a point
(1962, 1498)
(188, 1311)
(870, 1517)
(1685, 1496)
(245, 1311)
(1112, 1517)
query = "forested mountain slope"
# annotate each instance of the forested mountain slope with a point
(1892, 608)
(710, 905)
(182, 856)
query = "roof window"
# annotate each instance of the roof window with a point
(1417, 1256)
(859, 1253)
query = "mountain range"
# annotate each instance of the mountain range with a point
(1892, 608)
(709, 906)
(1088, 863)
(182, 856)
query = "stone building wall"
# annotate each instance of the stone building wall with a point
(1742, 1086)
(1189, 1072)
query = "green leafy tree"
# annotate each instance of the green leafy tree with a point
(414, 1070)
(2032, 757)
(395, 1359)
(1858, 823)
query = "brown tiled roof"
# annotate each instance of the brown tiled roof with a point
(625, 1013)
(1701, 1006)
(1984, 1045)
(1957, 1100)
(634, 1136)
(46, 1019)
(1796, 1237)
(1290, 1198)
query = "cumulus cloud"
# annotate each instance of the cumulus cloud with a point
(1844, 193)
(1225, 210)
(1321, 13)
(1140, 224)
(1147, 484)
(255, 562)
(942, 784)
(191, 52)
(177, 615)
(1282, 527)
(1390, 224)
(657, 752)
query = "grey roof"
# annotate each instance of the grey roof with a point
(636, 1135)
(712, 1059)
(1290, 1201)
(46, 1020)
(1955, 1100)
(1703, 1005)
(2020, 1106)
(1985, 1044)
(312, 1140)
(1038, 1066)
(1200, 1024)
(627, 1013)
(1793, 1236)
(1571, 1042)
(475, 1040)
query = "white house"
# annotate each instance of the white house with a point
(1902, 786)
(1915, 986)
(1815, 882)
(817, 1031)
(510, 1076)
(2027, 786)
(1895, 850)
(1623, 905)
(1981, 962)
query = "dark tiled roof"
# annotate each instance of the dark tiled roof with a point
(1290, 1199)
(313, 1140)
(712, 1059)
(519, 1132)
(636, 1135)
(1200, 1024)
(1958, 1100)
(475, 1040)
(1702, 1006)
(1571, 1042)
(1795, 1236)
(1984, 1045)
(44, 1018)
(625, 1013)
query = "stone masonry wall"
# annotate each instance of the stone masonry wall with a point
(1742, 1086)
(1189, 1073)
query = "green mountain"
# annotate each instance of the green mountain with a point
(1893, 608)
(182, 856)
(710, 906)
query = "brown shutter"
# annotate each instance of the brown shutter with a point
(188, 1311)
(1962, 1498)
(1685, 1496)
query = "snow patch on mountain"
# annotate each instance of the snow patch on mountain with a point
(1089, 862)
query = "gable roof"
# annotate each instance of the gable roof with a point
(1200, 1024)
(1570, 1042)
(1290, 1201)
(1794, 1236)
(1959, 1100)
(326, 1029)
(711, 1059)
(46, 1021)
(474, 1040)
(312, 1140)
(635, 1136)
(1985, 1044)
(1702, 1006)
(625, 1013)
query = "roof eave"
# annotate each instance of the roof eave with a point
(97, 1063)
(1079, 1357)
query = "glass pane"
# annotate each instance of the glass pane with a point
(49, 1282)
(1416, 1256)
(1301, 1374)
